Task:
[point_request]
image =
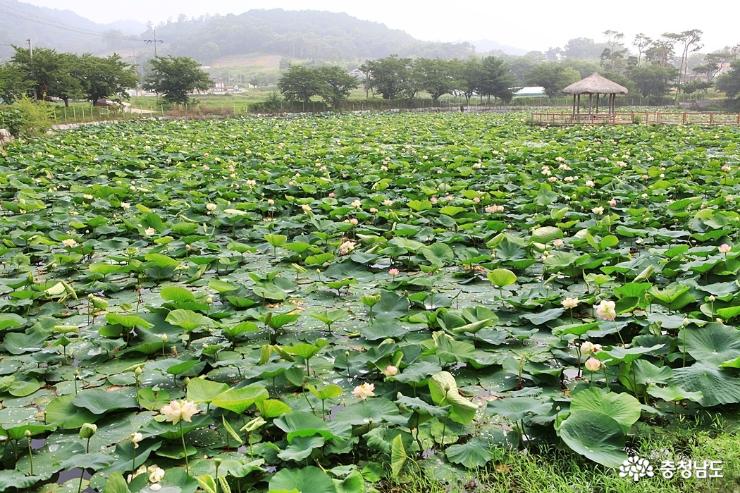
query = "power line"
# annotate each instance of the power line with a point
(62, 26)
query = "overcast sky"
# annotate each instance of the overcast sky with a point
(527, 24)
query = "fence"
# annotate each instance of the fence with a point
(630, 117)
(85, 113)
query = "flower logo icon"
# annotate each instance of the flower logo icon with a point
(636, 468)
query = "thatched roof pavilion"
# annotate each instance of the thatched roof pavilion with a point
(594, 84)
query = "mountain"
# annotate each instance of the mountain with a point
(60, 29)
(305, 35)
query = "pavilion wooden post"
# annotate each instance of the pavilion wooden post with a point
(590, 102)
(579, 104)
(597, 103)
(574, 105)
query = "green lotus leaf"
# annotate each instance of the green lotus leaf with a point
(310, 479)
(712, 344)
(239, 399)
(188, 319)
(717, 386)
(472, 454)
(621, 407)
(99, 401)
(596, 436)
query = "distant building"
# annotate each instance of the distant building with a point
(530, 92)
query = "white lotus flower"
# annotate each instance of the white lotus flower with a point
(150, 231)
(570, 302)
(558, 243)
(590, 183)
(125, 206)
(363, 391)
(598, 210)
(587, 347)
(346, 247)
(156, 474)
(606, 310)
(176, 411)
(724, 248)
(390, 371)
(69, 243)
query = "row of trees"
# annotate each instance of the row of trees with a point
(333, 84)
(45, 74)
(400, 78)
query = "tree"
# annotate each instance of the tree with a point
(660, 52)
(614, 56)
(713, 63)
(13, 85)
(49, 73)
(689, 41)
(583, 49)
(468, 77)
(552, 76)
(495, 79)
(391, 77)
(175, 78)
(299, 84)
(435, 76)
(105, 77)
(729, 83)
(614, 40)
(335, 84)
(653, 79)
(641, 42)
(365, 69)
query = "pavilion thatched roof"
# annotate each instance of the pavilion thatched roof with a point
(595, 84)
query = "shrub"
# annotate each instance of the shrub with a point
(26, 118)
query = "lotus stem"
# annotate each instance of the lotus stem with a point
(30, 456)
(184, 450)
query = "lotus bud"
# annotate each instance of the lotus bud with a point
(88, 430)
(593, 365)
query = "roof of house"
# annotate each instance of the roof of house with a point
(594, 84)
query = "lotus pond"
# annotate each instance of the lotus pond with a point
(328, 304)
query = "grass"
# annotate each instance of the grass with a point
(553, 470)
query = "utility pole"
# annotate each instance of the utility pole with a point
(154, 41)
(30, 55)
